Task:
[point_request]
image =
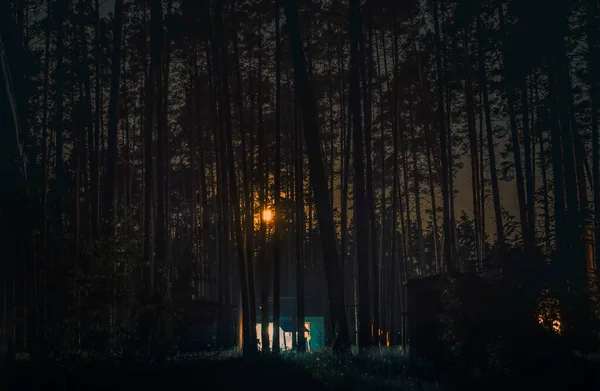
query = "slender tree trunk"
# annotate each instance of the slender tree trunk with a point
(157, 58)
(370, 191)
(59, 170)
(45, 141)
(490, 143)
(278, 210)
(345, 141)
(165, 153)
(482, 182)
(109, 210)
(249, 217)
(514, 133)
(408, 227)
(94, 152)
(472, 127)
(447, 224)
(193, 129)
(335, 282)
(361, 212)
(593, 62)
(430, 152)
(417, 191)
(557, 165)
(299, 170)
(529, 180)
(545, 188)
(383, 239)
(233, 189)
(263, 174)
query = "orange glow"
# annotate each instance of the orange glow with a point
(555, 324)
(267, 215)
(549, 314)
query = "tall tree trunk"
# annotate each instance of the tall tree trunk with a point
(529, 180)
(193, 129)
(149, 123)
(482, 182)
(45, 142)
(472, 128)
(417, 191)
(299, 170)
(514, 134)
(490, 142)
(408, 227)
(113, 121)
(263, 174)
(220, 50)
(164, 152)
(361, 212)
(430, 153)
(444, 147)
(335, 282)
(543, 118)
(367, 77)
(593, 62)
(59, 170)
(233, 189)
(157, 58)
(345, 141)
(383, 239)
(249, 217)
(95, 151)
(278, 210)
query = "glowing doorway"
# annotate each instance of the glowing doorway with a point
(285, 337)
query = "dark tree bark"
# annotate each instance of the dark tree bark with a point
(60, 183)
(235, 202)
(278, 210)
(445, 174)
(483, 83)
(514, 134)
(529, 180)
(593, 62)
(249, 215)
(335, 283)
(299, 190)
(108, 209)
(361, 212)
(95, 151)
(472, 130)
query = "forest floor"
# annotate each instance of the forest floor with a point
(319, 371)
(385, 370)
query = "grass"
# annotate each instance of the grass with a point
(371, 370)
(376, 369)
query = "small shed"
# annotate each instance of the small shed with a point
(314, 323)
(424, 306)
(197, 322)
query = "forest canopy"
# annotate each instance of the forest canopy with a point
(238, 152)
